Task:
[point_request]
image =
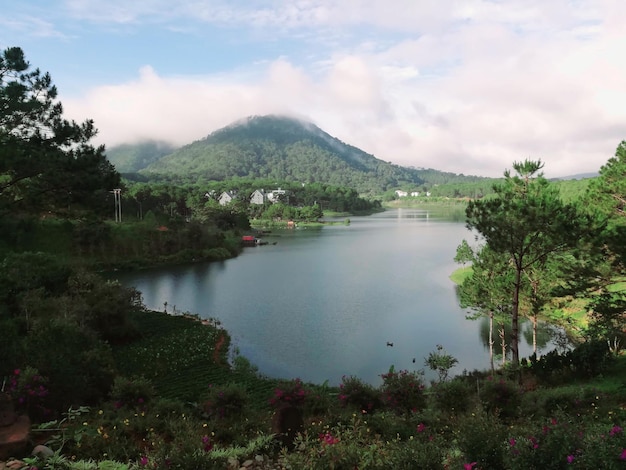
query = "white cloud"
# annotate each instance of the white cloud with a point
(459, 86)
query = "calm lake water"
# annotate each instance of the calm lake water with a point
(322, 303)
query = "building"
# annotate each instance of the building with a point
(258, 197)
(226, 197)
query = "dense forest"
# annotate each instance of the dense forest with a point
(106, 384)
(281, 149)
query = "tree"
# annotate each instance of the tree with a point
(526, 223)
(487, 291)
(46, 161)
(607, 193)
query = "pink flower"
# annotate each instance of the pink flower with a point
(468, 466)
(143, 461)
(623, 455)
(570, 458)
(421, 427)
(512, 442)
(615, 430)
(328, 439)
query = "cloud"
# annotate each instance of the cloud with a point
(467, 87)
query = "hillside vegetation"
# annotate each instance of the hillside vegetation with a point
(107, 384)
(285, 149)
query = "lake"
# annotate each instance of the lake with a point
(324, 302)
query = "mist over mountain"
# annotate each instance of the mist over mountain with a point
(130, 158)
(287, 149)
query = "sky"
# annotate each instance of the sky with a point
(463, 86)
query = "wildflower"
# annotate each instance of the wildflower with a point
(615, 430)
(421, 427)
(469, 466)
(512, 442)
(328, 439)
(570, 458)
(143, 460)
(208, 446)
(623, 455)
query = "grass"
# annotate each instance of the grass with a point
(461, 274)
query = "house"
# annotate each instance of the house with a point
(226, 197)
(258, 197)
(400, 193)
(278, 195)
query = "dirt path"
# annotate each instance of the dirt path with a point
(218, 347)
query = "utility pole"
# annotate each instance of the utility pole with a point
(117, 197)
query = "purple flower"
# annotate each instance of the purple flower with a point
(623, 455)
(512, 442)
(143, 460)
(469, 466)
(615, 430)
(570, 458)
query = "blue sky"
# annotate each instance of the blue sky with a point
(463, 86)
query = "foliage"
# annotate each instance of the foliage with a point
(354, 393)
(501, 397)
(46, 162)
(80, 368)
(133, 393)
(289, 393)
(130, 158)
(455, 396)
(525, 223)
(441, 362)
(280, 149)
(480, 437)
(403, 391)
(225, 401)
(28, 390)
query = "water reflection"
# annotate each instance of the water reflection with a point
(323, 303)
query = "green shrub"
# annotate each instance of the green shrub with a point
(481, 438)
(403, 391)
(452, 397)
(590, 358)
(79, 367)
(354, 393)
(29, 392)
(132, 393)
(289, 393)
(225, 401)
(501, 397)
(552, 445)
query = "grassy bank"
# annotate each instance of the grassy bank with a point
(184, 402)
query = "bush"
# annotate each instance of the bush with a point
(452, 397)
(590, 358)
(481, 439)
(29, 392)
(501, 397)
(289, 393)
(79, 367)
(403, 391)
(353, 392)
(226, 401)
(132, 393)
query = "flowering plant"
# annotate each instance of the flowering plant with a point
(291, 393)
(28, 389)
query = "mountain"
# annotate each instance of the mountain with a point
(285, 149)
(130, 158)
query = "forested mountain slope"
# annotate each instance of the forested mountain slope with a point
(130, 158)
(286, 149)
